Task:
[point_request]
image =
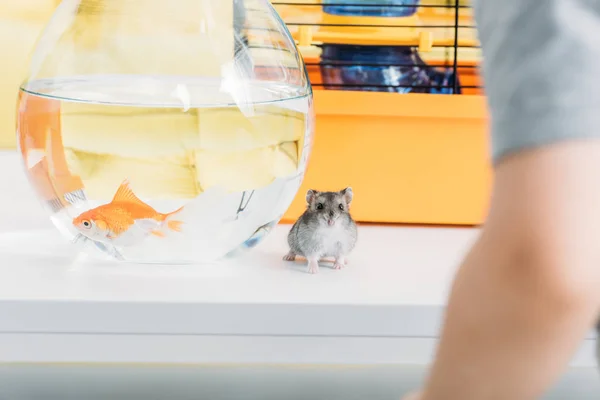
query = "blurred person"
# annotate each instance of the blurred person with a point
(529, 289)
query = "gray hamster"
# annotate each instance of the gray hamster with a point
(325, 229)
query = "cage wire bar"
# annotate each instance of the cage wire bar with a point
(453, 87)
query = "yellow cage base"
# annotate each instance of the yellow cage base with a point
(412, 158)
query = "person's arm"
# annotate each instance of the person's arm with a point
(529, 290)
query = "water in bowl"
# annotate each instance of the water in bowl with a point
(209, 165)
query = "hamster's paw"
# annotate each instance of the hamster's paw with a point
(338, 265)
(291, 256)
(340, 262)
(313, 267)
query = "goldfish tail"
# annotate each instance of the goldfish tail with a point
(173, 224)
(173, 212)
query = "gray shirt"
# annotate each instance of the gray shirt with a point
(541, 70)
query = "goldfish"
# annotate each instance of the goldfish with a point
(124, 219)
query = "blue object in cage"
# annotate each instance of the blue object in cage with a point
(371, 8)
(397, 69)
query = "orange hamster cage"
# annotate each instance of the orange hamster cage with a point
(415, 158)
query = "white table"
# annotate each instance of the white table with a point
(384, 308)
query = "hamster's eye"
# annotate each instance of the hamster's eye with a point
(87, 224)
(341, 206)
(319, 206)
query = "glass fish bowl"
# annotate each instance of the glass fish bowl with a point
(165, 132)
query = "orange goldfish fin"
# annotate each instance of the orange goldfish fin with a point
(158, 233)
(102, 225)
(172, 224)
(125, 195)
(175, 225)
(164, 217)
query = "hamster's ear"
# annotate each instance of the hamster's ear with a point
(348, 195)
(310, 195)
